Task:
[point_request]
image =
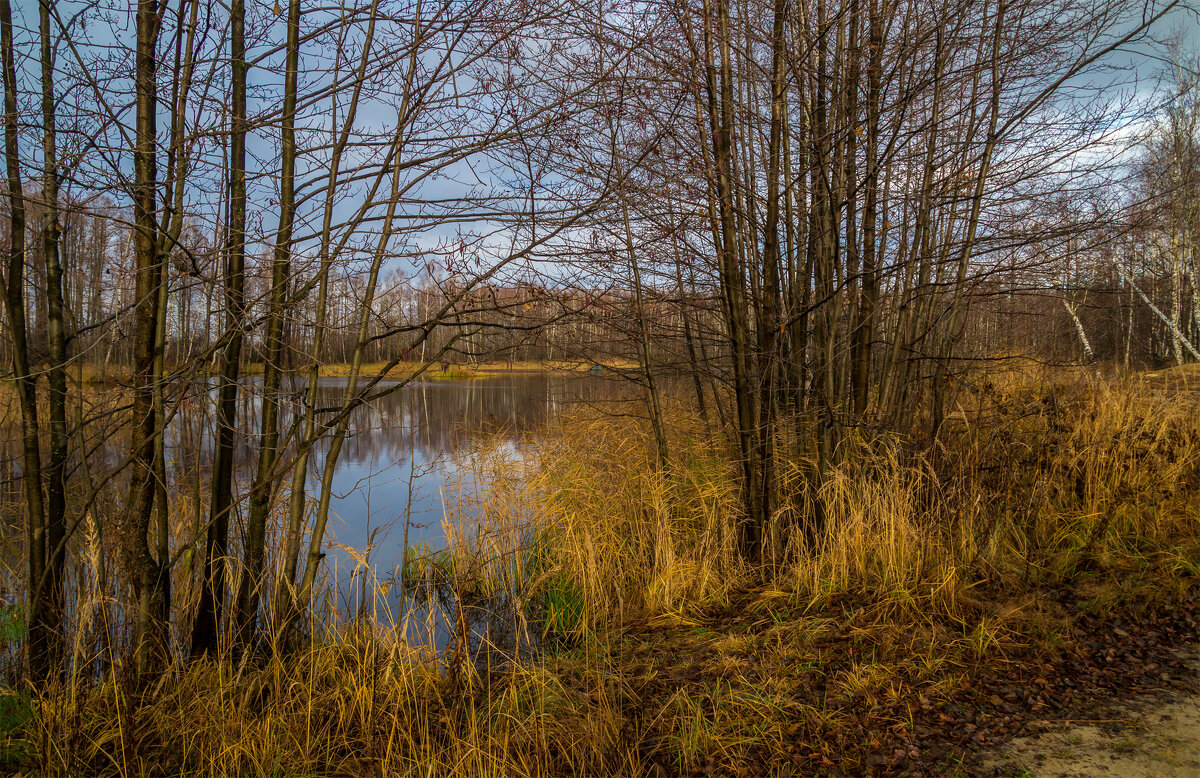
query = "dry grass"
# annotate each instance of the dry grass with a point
(631, 538)
(660, 645)
(1049, 475)
(356, 704)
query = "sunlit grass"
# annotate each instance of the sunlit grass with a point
(655, 641)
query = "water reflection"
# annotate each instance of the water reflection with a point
(402, 449)
(405, 455)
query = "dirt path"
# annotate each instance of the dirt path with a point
(1150, 737)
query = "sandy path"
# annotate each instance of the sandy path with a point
(1151, 737)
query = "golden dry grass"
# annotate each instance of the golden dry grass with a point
(661, 645)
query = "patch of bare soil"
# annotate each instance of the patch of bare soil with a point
(1146, 737)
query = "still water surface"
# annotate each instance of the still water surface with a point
(406, 453)
(403, 461)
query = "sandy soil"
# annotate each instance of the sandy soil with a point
(1150, 737)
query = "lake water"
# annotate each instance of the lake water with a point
(406, 453)
(406, 456)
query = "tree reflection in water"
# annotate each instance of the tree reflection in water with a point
(406, 455)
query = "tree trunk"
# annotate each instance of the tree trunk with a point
(41, 641)
(56, 375)
(206, 627)
(150, 633)
(254, 545)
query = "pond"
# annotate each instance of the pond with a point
(407, 452)
(407, 455)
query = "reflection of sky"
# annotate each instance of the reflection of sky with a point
(406, 459)
(404, 456)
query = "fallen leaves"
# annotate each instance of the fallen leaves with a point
(895, 718)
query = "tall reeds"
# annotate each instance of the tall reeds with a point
(584, 532)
